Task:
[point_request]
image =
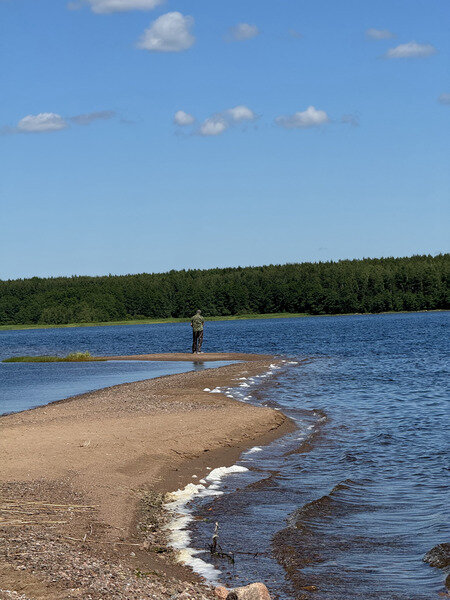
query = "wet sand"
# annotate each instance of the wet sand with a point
(74, 475)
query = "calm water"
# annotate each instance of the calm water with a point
(26, 385)
(351, 502)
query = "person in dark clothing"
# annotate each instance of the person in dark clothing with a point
(197, 323)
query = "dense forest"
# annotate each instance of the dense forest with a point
(346, 286)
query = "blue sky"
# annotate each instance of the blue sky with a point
(317, 130)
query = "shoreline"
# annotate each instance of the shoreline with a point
(245, 317)
(109, 449)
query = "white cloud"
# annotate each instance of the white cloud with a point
(48, 122)
(243, 31)
(239, 113)
(183, 118)
(213, 126)
(444, 99)
(220, 122)
(411, 50)
(112, 6)
(169, 33)
(379, 34)
(88, 118)
(41, 123)
(311, 117)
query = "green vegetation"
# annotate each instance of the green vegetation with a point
(73, 357)
(343, 287)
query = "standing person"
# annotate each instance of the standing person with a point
(197, 323)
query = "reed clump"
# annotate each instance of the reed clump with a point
(72, 357)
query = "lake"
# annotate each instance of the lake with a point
(351, 501)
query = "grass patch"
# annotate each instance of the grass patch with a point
(73, 357)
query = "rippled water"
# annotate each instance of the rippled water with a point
(350, 502)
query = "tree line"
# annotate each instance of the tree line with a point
(334, 287)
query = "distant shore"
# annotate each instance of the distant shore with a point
(77, 474)
(244, 317)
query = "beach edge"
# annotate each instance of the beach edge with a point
(250, 426)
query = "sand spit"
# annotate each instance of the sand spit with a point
(83, 481)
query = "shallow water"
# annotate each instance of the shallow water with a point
(27, 385)
(350, 502)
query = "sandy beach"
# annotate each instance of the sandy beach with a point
(82, 480)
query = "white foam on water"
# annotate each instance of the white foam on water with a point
(216, 390)
(179, 536)
(206, 390)
(176, 504)
(180, 497)
(217, 474)
(254, 449)
(244, 385)
(188, 557)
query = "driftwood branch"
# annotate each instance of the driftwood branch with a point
(215, 548)
(214, 538)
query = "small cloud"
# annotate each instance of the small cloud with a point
(169, 33)
(41, 123)
(350, 119)
(87, 118)
(112, 6)
(48, 122)
(183, 119)
(213, 126)
(311, 117)
(239, 113)
(444, 99)
(220, 122)
(242, 32)
(379, 34)
(295, 34)
(411, 50)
